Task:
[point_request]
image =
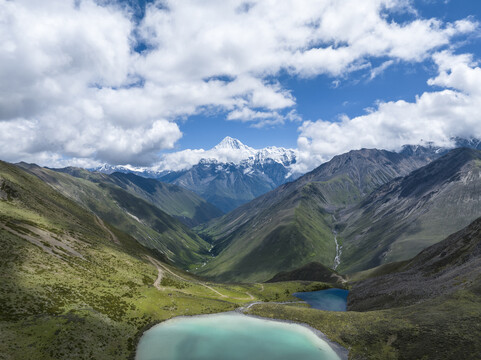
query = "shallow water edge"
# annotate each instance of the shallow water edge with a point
(340, 351)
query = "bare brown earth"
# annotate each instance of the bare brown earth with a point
(100, 222)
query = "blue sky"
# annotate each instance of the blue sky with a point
(86, 82)
(318, 98)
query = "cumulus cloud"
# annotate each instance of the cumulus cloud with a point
(72, 86)
(59, 63)
(435, 116)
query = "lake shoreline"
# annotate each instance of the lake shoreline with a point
(341, 351)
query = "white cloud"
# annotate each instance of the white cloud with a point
(57, 61)
(380, 69)
(71, 85)
(435, 116)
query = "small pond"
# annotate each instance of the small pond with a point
(233, 336)
(330, 299)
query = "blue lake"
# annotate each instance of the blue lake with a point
(330, 299)
(232, 336)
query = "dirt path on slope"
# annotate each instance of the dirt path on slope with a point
(160, 267)
(250, 295)
(160, 273)
(100, 223)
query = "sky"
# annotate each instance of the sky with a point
(86, 82)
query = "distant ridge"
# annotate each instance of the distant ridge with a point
(228, 175)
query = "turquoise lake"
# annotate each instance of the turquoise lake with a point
(330, 299)
(231, 336)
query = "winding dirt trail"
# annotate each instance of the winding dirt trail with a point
(160, 273)
(214, 290)
(100, 223)
(161, 268)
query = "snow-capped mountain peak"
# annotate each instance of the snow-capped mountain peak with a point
(278, 154)
(229, 143)
(228, 151)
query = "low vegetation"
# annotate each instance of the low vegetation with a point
(74, 287)
(448, 328)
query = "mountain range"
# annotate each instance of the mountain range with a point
(231, 173)
(408, 214)
(314, 218)
(92, 259)
(228, 175)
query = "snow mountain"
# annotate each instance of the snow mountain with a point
(232, 173)
(228, 175)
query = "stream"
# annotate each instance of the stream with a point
(337, 259)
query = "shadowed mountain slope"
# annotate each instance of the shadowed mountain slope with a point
(408, 214)
(449, 266)
(313, 271)
(183, 204)
(142, 220)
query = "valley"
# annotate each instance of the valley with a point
(357, 201)
(240, 180)
(91, 260)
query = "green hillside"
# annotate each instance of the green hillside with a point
(294, 224)
(74, 287)
(148, 224)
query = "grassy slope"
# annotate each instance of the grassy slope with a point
(145, 222)
(426, 308)
(293, 225)
(176, 201)
(409, 214)
(281, 238)
(448, 328)
(285, 236)
(69, 289)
